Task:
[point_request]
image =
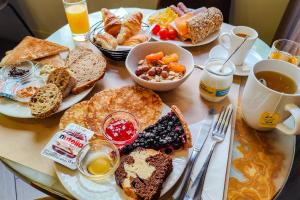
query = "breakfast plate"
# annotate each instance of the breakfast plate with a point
(184, 26)
(21, 110)
(177, 42)
(252, 58)
(84, 189)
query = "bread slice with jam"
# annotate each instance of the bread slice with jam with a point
(169, 133)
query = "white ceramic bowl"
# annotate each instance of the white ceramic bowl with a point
(140, 51)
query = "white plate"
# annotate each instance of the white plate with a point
(252, 58)
(20, 110)
(84, 189)
(188, 43)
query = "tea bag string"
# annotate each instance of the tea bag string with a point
(223, 65)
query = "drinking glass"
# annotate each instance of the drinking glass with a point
(77, 15)
(286, 50)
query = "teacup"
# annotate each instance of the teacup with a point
(236, 36)
(265, 109)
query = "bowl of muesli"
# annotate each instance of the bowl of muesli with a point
(159, 66)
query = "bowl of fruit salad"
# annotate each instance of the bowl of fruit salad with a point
(159, 66)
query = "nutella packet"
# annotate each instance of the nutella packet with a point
(65, 145)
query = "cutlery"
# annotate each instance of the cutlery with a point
(202, 136)
(218, 134)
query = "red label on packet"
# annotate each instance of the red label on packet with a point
(65, 145)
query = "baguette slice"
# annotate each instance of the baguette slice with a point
(63, 79)
(46, 101)
(87, 70)
(31, 48)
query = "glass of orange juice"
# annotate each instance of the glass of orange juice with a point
(77, 15)
(286, 50)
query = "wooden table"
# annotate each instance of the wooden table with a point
(187, 101)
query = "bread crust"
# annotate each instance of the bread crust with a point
(188, 143)
(55, 106)
(79, 89)
(87, 67)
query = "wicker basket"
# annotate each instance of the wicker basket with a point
(119, 54)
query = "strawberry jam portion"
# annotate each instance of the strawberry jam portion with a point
(120, 130)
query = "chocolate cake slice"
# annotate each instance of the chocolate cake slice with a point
(142, 173)
(169, 133)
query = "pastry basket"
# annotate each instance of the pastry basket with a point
(121, 52)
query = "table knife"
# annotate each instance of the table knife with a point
(201, 138)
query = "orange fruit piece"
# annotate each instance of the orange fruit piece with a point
(154, 56)
(176, 67)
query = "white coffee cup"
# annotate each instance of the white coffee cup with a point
(235, 41)
(265, 109)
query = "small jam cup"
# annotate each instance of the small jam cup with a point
(91, 151)
(125, 116)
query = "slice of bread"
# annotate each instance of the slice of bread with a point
(142, 173)
(87, 69)
(31, 48)
(77, 53)
(63, 79)
(46, 101)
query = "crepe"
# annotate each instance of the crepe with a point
(144, 104)
(31, 48)
(76, 114)
(55, 61)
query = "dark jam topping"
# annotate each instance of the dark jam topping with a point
(17, 72)
(120, 130)
(166, 135)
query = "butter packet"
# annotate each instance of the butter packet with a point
(65, 145)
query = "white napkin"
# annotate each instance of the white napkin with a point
(216, 176)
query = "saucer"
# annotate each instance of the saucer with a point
(252, 58)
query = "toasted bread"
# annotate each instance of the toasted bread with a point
(31, 48)
(87, 69)
(55, 61)
(63, 79)
(46, 101)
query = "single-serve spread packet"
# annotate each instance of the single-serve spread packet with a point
(65, 145)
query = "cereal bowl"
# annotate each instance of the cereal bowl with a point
(140, 51)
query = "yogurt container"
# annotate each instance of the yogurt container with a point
(214, 82)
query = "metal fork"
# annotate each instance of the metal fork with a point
(218, 134)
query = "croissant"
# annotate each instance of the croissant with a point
(136, 39)
(130, 26)
(112, 24)
(106, 40)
